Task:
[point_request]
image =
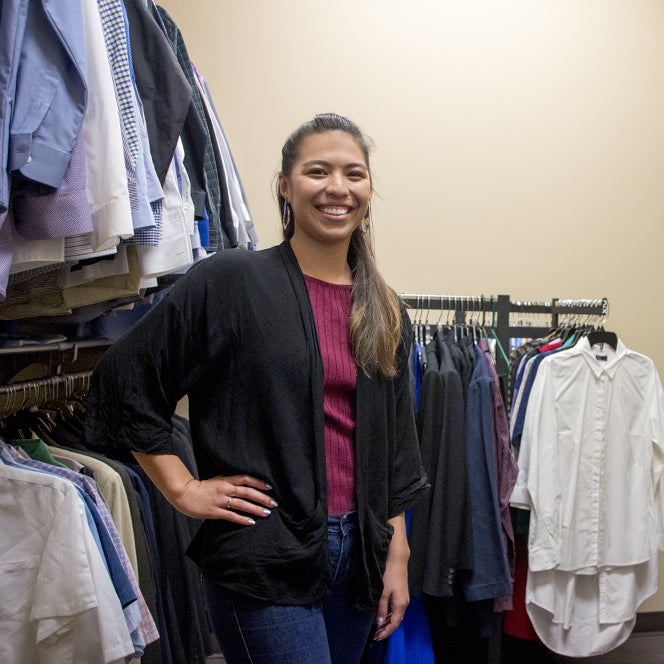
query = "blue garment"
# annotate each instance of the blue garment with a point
(12, 28)
(204, 229)
(490, 577)
(519, 372)
(251, 631)
(145, 507)
(526, 388)
(147, 211)
(51, 91)
(410, 643)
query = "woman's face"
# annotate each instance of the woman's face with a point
(329, 188)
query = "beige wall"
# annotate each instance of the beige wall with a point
(520, 144)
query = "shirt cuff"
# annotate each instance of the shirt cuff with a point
(520, 498)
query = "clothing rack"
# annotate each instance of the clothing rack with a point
(36, 374)
(28, 362)
(33, 393)
(506, 318)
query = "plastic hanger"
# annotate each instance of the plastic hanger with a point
(602, 336)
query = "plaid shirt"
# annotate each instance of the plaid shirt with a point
(117, 47)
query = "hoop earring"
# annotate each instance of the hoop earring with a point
(366, 222)
(286, 215)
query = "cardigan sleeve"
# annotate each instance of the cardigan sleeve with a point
(140, 379)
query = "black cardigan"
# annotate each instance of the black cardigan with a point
(237, 334)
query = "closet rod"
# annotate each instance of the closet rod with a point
(33, 393)
(501, 308)
(437, 302)
(58, 347)
(40, 360)
(596, 306)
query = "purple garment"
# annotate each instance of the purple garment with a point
(6, 254)
(45, 213)
(507, 470)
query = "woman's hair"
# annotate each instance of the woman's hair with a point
(375, 323)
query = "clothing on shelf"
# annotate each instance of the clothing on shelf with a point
(116, 171)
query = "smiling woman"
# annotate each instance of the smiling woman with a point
(324, 192)
(295, 362)
(328, 190)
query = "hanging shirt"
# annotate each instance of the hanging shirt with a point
(105, 175)
(51, 91)
(58, 599)
(590, 467)
(506, 468)
(490, 577)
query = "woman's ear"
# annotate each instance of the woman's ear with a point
(283, 186)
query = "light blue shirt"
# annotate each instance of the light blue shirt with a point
(51, 90)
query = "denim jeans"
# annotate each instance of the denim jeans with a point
(251, 631)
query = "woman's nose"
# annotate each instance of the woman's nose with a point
(336, 184)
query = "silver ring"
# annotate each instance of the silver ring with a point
(235, 490)
(228, 502)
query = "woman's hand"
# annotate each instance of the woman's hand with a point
(395, 597)
(230, 497)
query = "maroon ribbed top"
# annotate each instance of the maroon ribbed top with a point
(331, 304)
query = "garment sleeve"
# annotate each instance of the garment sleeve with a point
(538, 482)
(142, 376)
(408, 475)
(657, 437)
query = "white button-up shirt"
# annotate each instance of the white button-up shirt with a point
(590, 467)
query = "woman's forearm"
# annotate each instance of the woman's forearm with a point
(168, 473)
(230, 497)
(395, 597)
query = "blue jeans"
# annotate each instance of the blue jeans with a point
(251, 631)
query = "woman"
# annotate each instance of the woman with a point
(295, 362)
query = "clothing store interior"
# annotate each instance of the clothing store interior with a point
(517, 167)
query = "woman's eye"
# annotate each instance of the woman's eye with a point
(356, 174)
(316, 171)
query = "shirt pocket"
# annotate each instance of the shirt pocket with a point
(17, 579)
(41, 99)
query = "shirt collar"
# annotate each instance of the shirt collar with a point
(609, 366)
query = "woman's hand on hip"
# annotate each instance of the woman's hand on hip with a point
(236, 498)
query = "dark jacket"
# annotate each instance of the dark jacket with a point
(237, 334)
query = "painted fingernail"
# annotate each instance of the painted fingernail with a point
(274, 503)
(251, 522)
(267, 512)
(380, 620)
(268, 486)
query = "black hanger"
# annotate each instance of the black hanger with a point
(602, 336)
